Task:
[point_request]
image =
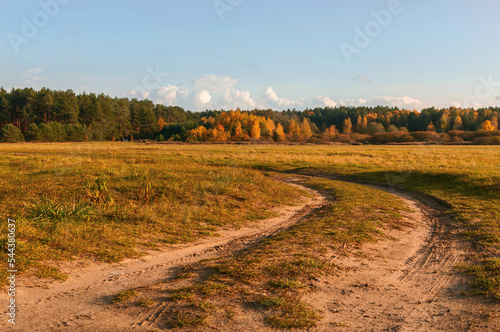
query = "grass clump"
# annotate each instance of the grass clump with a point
(124, 295)
(188, 319)
(486, 276)
(50, 272)
(289, 313)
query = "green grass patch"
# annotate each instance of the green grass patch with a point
(486, 276)
(124, 295)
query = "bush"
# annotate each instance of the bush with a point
(11, 134)
(360, 138)
(426, 136)
(375, 128)
(33, 133)
(76, 132)
(487, 140)
(341, 138)
(392, 137)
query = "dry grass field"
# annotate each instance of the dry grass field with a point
(106, 202)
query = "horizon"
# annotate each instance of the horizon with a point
(221, 54)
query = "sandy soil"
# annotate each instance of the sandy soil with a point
(403, 284)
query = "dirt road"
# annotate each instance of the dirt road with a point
(404, 284)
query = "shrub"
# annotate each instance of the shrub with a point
(76, 132)
(392, 137)
(33, 133)
(426, 136)
(342, 138)
(11, 134)
(487, 140)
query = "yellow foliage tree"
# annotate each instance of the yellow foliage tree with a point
(305, 130)
(255, 130)
(331, 131)
(161, 123)
(279, 133)
(487, 126)
(457, 123)
(347, 126)
(293, 128)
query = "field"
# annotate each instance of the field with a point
(102, 203)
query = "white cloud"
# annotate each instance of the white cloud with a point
(273, 101)
(233, 98)
(214, 83)
(321, 101)
(202, 99)
(166, 95)
(401, 102)
(218, 92)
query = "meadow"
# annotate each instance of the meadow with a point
(109, 201)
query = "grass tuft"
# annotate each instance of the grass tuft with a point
(486, 276)
(124, 295)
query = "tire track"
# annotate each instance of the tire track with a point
(418, 292)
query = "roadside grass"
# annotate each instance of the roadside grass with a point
(486, 276)
(109, 201)
(275, 276)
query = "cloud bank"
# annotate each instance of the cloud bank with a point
(220, 92)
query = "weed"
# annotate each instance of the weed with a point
(147, 302)
(186, 320)
(124, 295)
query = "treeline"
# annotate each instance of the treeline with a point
(48, 115)
(57, 116)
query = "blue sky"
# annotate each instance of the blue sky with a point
(277, 54)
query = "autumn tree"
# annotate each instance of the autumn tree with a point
(361, 124)
(161, 123)
(347, 129)
(279, 133)
(487, 126)
(255, 130)
(331, 131)
(494, 122)
(457, 123)
(305, 130)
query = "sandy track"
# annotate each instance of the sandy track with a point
(406, 284)
(82, 302)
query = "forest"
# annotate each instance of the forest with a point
(57, 116)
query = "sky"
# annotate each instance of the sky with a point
(279, 54)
